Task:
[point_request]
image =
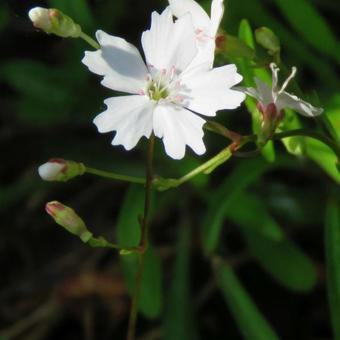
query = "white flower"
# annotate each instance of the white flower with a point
(278, 97)
(205, 27)
(40, 18)
(163, 93)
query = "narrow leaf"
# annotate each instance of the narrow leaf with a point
(251, 212)
(178, 320)
(128, 234)
(332, 240)
(249, 319)
(243, 175)
(284, 260)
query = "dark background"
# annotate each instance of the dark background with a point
(54, 287)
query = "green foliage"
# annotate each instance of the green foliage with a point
(128, 234)
(178, 318)
(311, 25)
(225, 197)
(250, 321)
(283, 260)
(332, 245)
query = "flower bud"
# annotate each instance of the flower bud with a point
(60, 170)
(268, 40)
(68, 219)
(53, 21)
(271, 119)
(233, 46)
(40, 18)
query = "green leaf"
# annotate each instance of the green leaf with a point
(311, 25)
(128, 228)
(251, 212)
(243, 175)
(285, 261)
(43, 94)
(323, 156)
(151, 295)
(249, 319)
(178, 319)
(332, 245)
(128, 235)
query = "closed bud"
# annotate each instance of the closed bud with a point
(53, 21)
(232, 46)
(68, 219)
(60, 170)
(268, 40)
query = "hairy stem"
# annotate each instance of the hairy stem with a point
(143, 244)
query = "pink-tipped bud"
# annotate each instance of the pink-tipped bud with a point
(60, 170)
(53, 21)
(68, 219)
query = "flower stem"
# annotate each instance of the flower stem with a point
(89, 40)
(143, 244)
(111, 175)
(311, 134)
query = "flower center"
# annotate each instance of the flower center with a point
(163, 85)
(157, 91)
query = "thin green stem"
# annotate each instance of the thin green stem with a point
(143, 244)
(111, 175)
(89, 40)
(311, 134)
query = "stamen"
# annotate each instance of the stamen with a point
(290, 77)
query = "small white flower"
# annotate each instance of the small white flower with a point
(163, 93)
(40, 18)
(267, 97)
(205, 27)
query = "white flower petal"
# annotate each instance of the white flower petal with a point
(206, 54)
(178, 127)
(50, 170)
(210, 91)
(199, 17)
(287, 100)
(130, 116)
(119, 62)
(169, 44)
(217, 10)
(265, 93)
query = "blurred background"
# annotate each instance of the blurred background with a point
(269, 217)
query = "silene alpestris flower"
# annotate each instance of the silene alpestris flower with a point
(275, 99)
(164, 93)
(206, 28)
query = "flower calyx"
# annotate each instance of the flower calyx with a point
(68, 219)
